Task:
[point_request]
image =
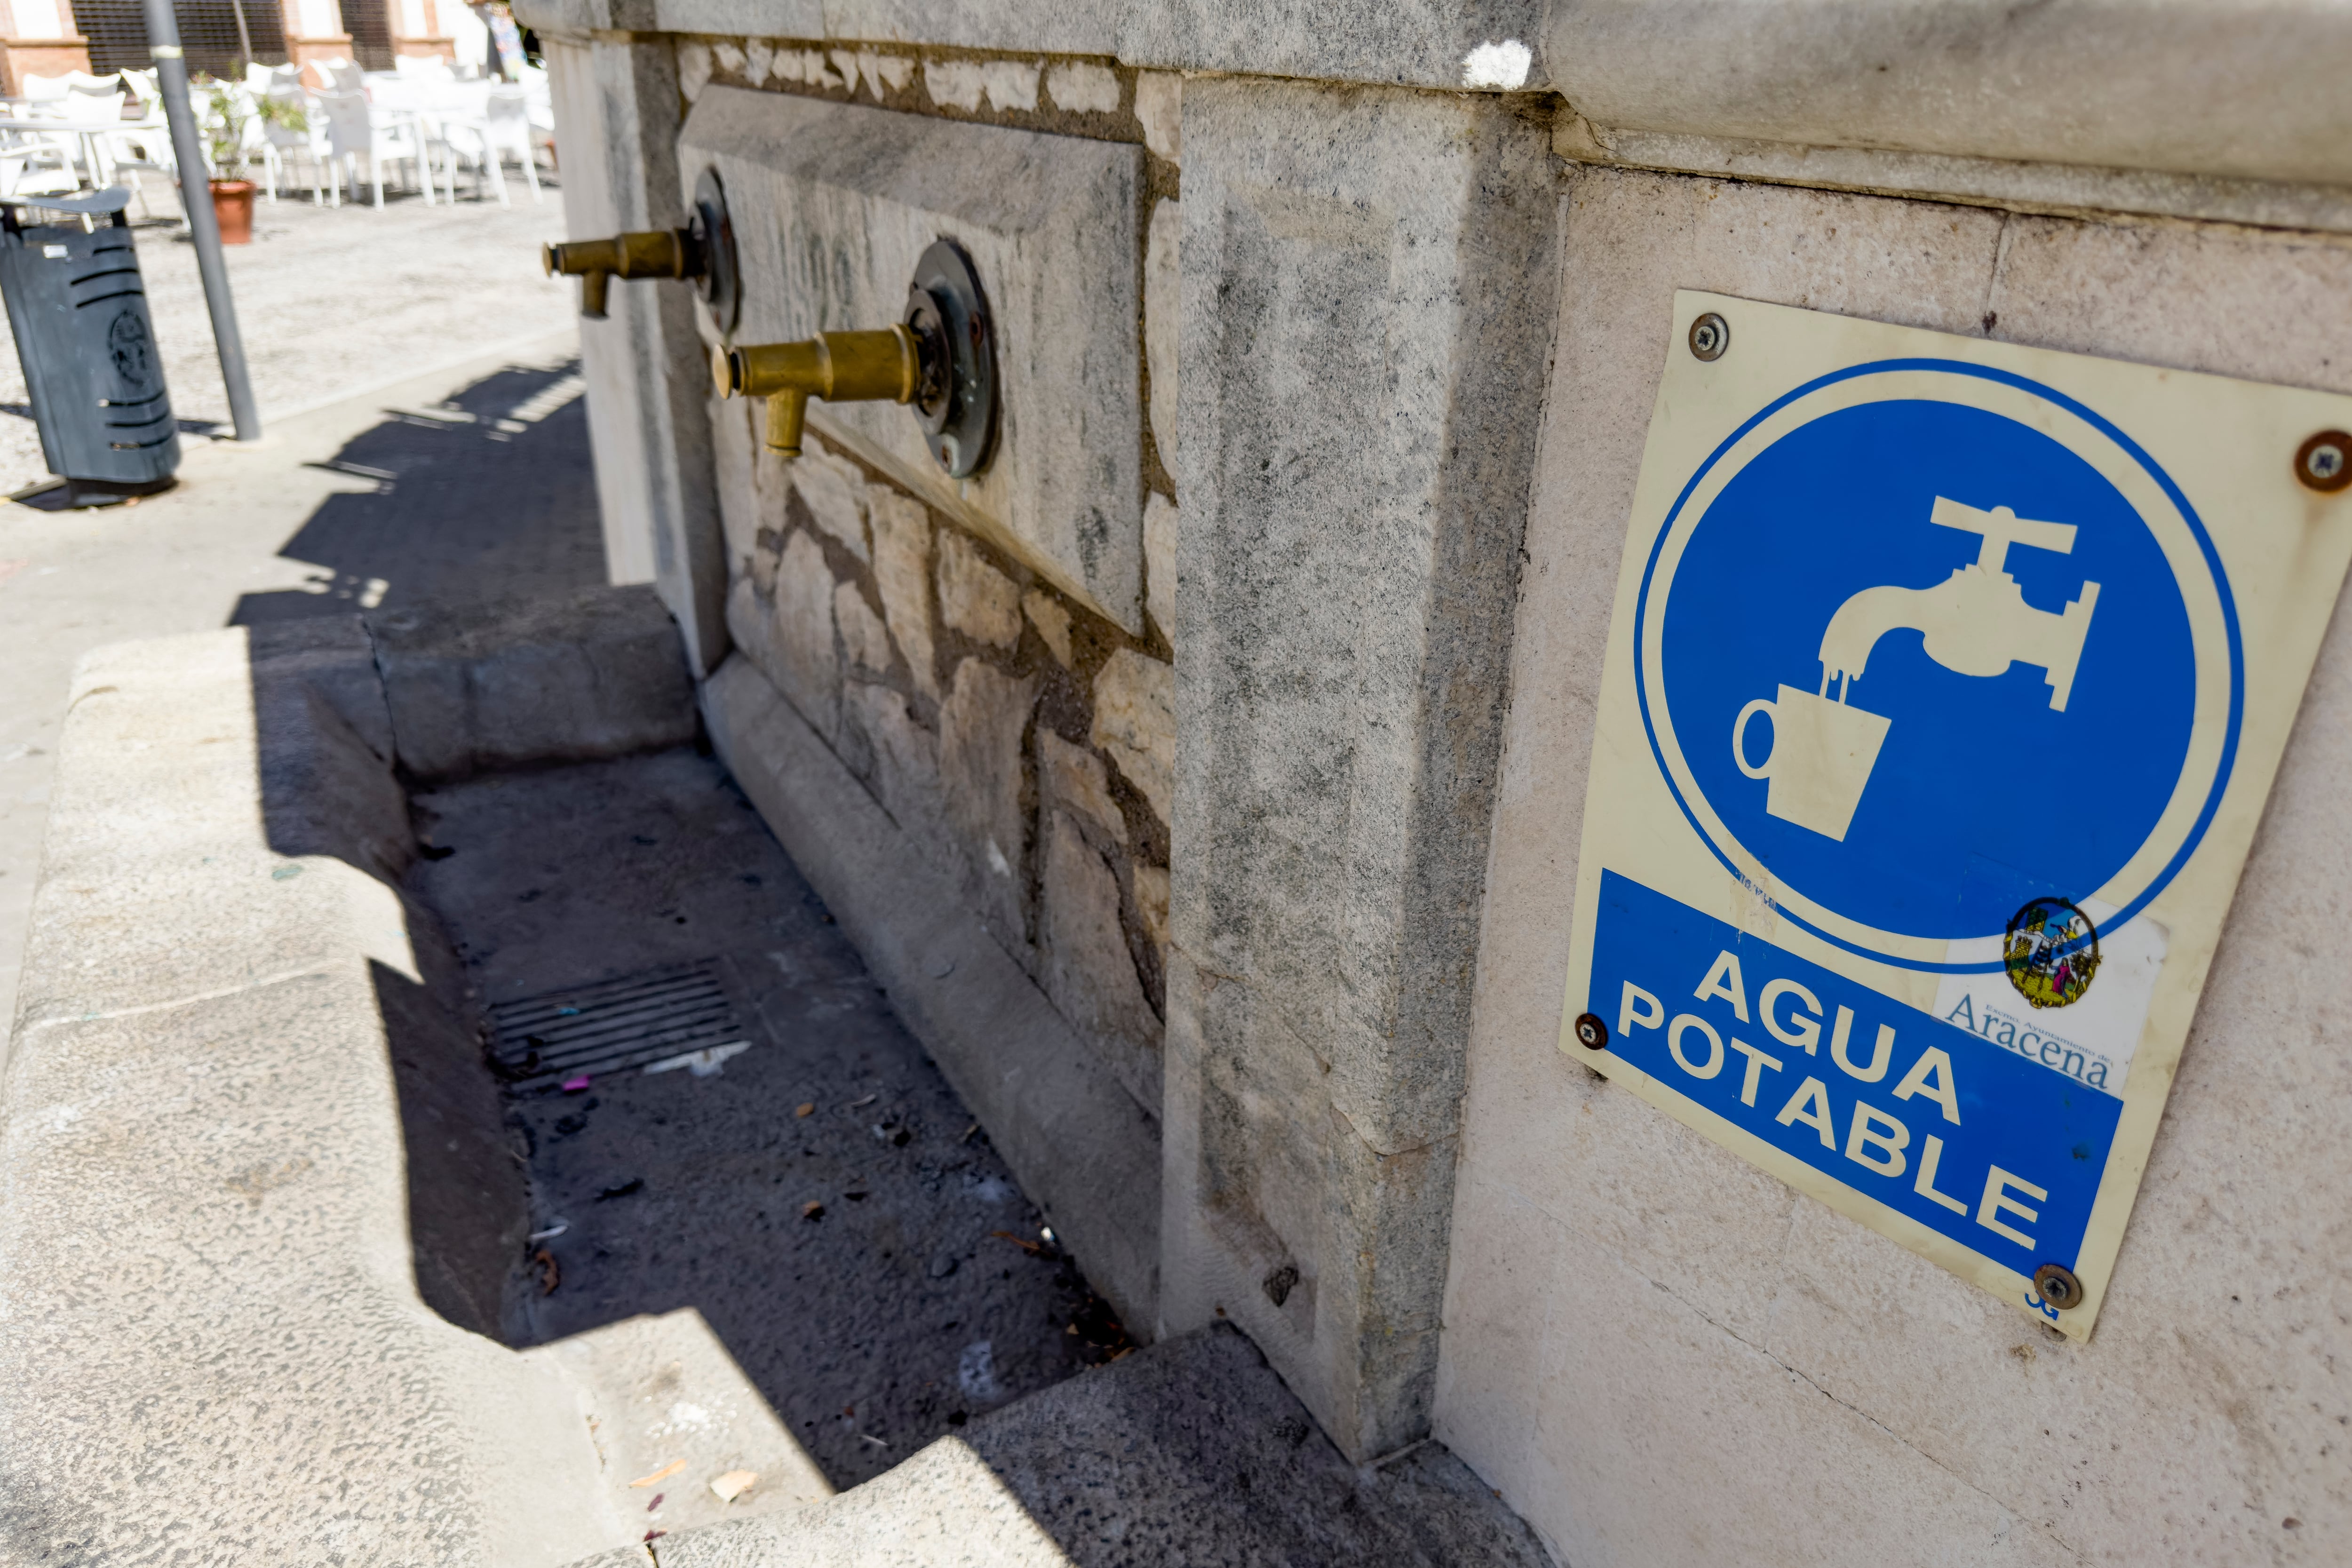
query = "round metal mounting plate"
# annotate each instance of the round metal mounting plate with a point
(720, 283)
(947, 311)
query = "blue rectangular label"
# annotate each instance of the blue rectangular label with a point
(1979, 1144)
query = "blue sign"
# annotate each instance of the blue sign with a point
(1912, 661)
(1977, 1144)
(1926, 752)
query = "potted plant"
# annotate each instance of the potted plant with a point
(224, 114)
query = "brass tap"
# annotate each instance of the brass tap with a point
(840, 367)
(654, 253)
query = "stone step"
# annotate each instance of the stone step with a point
(1190, 1451)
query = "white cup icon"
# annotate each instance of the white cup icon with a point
(1821, 759)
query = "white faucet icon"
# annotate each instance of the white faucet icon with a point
(1975, 620)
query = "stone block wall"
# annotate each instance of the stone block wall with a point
(1023, 740)
(1425, 258)
(1629, 1300)
(1018, 729)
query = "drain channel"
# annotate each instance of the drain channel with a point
(676, 1016)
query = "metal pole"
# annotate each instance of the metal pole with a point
(203, 225)
(243, 37)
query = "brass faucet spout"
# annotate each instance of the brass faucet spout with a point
(840, 367)
(653, 252)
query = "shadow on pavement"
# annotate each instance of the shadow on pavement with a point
(489, 494)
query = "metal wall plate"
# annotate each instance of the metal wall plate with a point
(956, 402)
(721, 282)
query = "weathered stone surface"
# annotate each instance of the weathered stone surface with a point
(1160, 522)
(599, 674)
(905, 773)
(1415, 43)
(735, 446)
(790, 636)
(648, 383)
(220, 1256)
(1084, 962)
(1631, 1186)
(1135, 722)
(1348, 568)
(694, 64)
(1420, 43)
(833, 489)
(1163, 304)
(966, 84)
(981, 739)
(2177, 91)
(833, 205)
(1152, 901)
(863, 637)
(1072, 1135)
(1083, 87)
(1072, 777)
(902, 570)
(1051, 621)
(2200, 1418)
(1159, 105)
(975, 598)
(1190, 1452)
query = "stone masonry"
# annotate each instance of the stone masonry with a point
(1023, 740)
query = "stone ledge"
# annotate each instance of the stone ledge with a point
(2203, 87)
(1190, 1452)
(1078, 1141)
(511, 682)
(235, 1301)
(255, 1191)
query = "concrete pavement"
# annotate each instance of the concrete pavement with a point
(331, 300)
(259, 534)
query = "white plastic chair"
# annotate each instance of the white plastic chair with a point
(505, 127)
(94, 103)
(279, 141)
(45, 89)
(143, 143)
(353, 129)
(144, 86)
(459, 116)
(342, 76)
(38, 167)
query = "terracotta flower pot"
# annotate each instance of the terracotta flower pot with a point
(233, 205)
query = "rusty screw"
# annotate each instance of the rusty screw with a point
(1590, 1032)
(1710, 336)
(2057, 1285)
(2323, 463)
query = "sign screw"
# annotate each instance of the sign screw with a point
(1710, 336)
(2323, 463)
(2056, 1284)
(1590, 1032)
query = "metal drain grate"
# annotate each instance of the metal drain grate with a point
(613, 1026)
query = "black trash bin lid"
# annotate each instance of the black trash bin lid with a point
(112, 199)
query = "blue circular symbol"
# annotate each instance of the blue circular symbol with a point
(1924, 663)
